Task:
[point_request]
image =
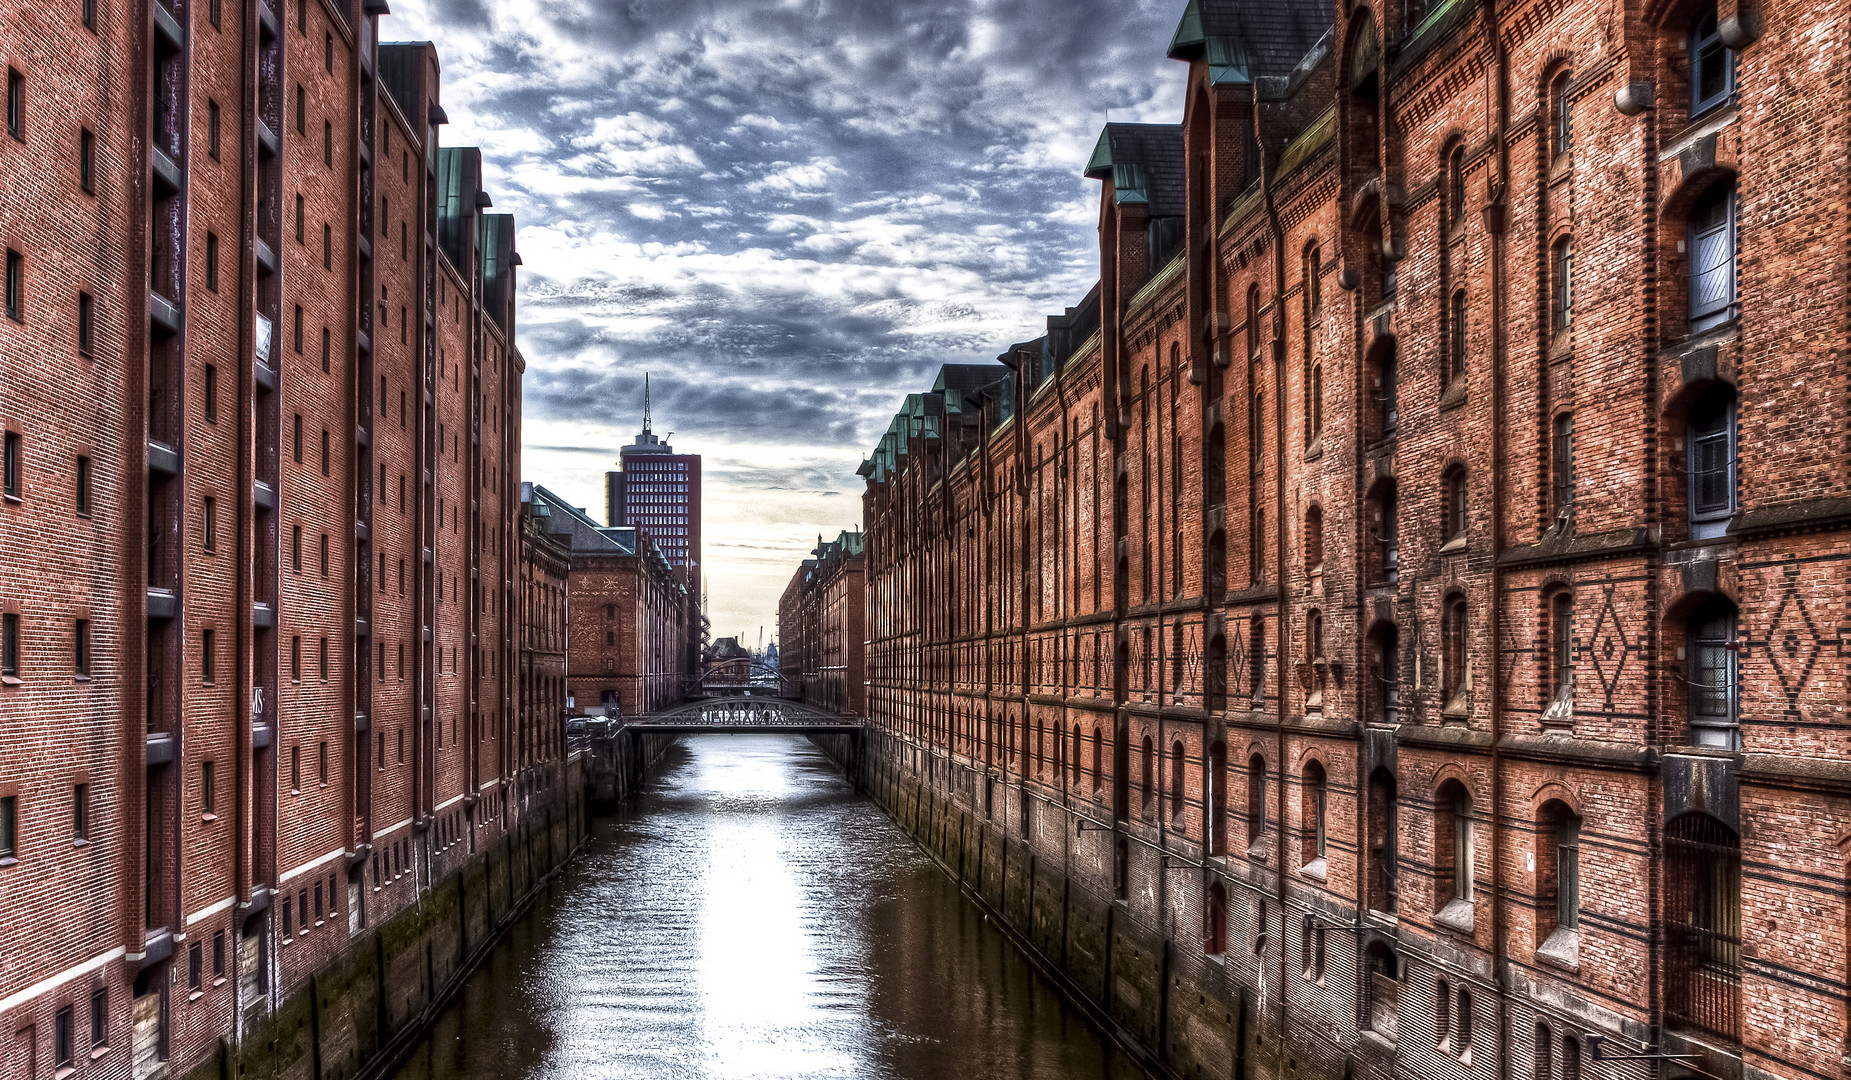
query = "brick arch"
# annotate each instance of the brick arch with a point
(1449, 771)
(1554, 63)
(1554, 791)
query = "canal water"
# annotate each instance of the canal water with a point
(750, 917)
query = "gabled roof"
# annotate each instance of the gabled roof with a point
(1144, 163)
(1246, 39)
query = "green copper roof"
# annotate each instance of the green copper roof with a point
(1227, 59)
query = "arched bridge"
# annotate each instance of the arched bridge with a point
(743, 712)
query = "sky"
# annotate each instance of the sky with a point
(789, 213)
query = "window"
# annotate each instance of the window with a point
(195, 966)
(297, 337)
(1712, 258)
(80, 812)
(1454, 678)
(1314, 806)
(15, 104)
(1442, 1013)
(207, 656)
(1564, 464)
(9, 826)
(301, 16)
(295, 549)
(1712, 66)
(85, 334)
(9, 645)
(1455, 187)
(321, 770)
(1311, 944)
(1712, 465)
(324, 350)
(295, 660)
(296, 439)
(218, 954)
(212, 261)
(90, 14)
(11, 464)
(1314, 281)
(324, 555)
(212, 121)
(1453, 843)
(1541, 1067)
(99, 1018)
(1561, 117)
(295, 783)
(208, 788)
(301, 117)
(212, 393)
(324, 678)
(1562, 285)
(1456, 507)
(327, 247)
(324, 451)
(15, 286)
(1703, 925)
(1176, 784)
(1314, 405)
(1712, 678)
(1386, 392)
(213, 11)
(209, 524)
(1558, 866)
(1382, 988)
(1462, 1024)
(1147, 789)
(83, 484)
(1256, 798)
(1562, 645)
(63, 1039)
(1253, 323)
(1215, 930)
(1384, 842)
(1455, 369)
(86, 159)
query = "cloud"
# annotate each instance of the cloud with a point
(789, 213)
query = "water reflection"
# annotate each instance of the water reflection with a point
(750, 917)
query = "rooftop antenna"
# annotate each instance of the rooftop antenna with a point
(645, 403)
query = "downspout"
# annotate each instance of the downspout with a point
(1283, 650)
(1496, 218)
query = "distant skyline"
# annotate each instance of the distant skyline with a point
(790, 214)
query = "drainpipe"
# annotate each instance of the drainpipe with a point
(1496, 218)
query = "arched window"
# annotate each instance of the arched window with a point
(1314, 284)
(1703, 925)
(1215, 932)
(1217, 569)
(1386, 664)
(1313, 810)
(1571, 1058)
(1712, 473)
(1452, 844)
(1455, 351)
(1215, 673)
(1562, 285)
(1712, 258)
(1314, 538)
(1388, 536)
(1147, 790)
(1314, 402)
(1098, 763)
(1256, 660)
(1455, 186)
(1562, 645)
(1712, 65)
(1541, 1067)
(1384, 850)
(1442, 1013)
(1215, 467)
(1561, 117)
(1176, 785)
(1386, 393)
(1714, 689)
(1256, 798)
(1314, 635)
(1562, 458)
(1462, 1024)
(1215, 831)
(1074, 761)
(1455, 680)
(1456, 509)
(1253, 323)
(1558, 869)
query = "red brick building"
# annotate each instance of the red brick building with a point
(1421, 559)
(261, 407)
(627, 615)
(822, 628)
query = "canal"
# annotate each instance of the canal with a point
(749, 916)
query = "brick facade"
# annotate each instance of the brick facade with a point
(265, 689)
(1415, 554)
(822, 628)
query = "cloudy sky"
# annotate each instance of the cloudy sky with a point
(790, 212)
